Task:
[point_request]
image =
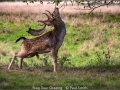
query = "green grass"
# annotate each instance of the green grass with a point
(83, 58)
(31, 77)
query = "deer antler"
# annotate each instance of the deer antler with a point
(47, 16)
(48, 12)
(49, 20)
(36, 32)
(46, 22)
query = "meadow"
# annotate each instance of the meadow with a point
(88, 59)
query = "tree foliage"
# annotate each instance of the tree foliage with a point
(87, 4)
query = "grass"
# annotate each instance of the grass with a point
(89, 57)
(89, 78)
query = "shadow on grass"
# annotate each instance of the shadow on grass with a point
(100, 68)
(89, 68)
(29, 76)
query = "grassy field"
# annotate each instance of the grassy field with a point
(88, 59)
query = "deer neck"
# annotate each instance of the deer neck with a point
(60, 30)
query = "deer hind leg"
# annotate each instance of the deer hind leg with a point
(37, 56)
(54, 56)
(11, 62)
(21, 60)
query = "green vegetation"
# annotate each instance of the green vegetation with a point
(35, 77)
(89, 56)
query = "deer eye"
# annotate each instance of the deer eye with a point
(53, 17)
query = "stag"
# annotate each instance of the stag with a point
(48, 42)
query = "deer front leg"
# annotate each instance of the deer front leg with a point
(54, 56)
(11, 62)
(20, 66)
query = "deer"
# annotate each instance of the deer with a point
(49, 42)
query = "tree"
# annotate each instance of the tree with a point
(87, 4)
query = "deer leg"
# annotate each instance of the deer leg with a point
(37, 56)
(54, 56)
(20, 66)
(11, 62)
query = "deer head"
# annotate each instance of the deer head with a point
(53, 18)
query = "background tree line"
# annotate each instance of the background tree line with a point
(87, 4)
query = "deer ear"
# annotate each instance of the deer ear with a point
(56, 13)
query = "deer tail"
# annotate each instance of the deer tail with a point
(21, 38)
